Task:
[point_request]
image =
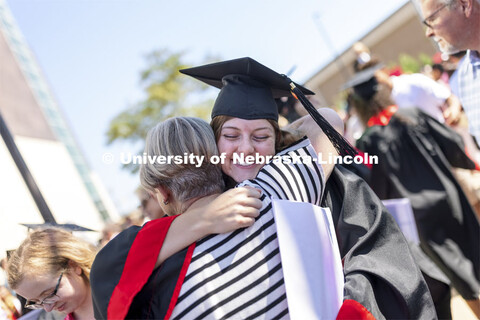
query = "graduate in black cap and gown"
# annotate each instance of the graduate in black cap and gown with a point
(416, 154)
(374, 252)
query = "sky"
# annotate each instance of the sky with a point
(92, 51)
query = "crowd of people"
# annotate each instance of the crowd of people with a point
(206, 245)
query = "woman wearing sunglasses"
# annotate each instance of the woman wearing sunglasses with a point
(51, 269)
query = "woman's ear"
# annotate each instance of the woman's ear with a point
(163, 194)
(75, 267)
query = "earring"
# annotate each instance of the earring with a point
(165, 202)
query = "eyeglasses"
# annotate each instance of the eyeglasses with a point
(429, 20)
(48, 300)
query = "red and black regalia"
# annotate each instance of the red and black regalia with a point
(239, 275)
(415, 155)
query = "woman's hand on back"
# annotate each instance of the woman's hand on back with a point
(233, 209)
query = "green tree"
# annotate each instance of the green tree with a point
(168, 94)
(410, 64)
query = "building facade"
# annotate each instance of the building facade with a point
(70, 188)
(401, 33)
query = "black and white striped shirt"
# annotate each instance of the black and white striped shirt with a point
(239, 275)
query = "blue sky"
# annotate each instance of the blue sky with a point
(92, 51)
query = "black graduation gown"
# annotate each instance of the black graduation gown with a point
(379, 269)
(386, 280)
(374, 252)
(438, 284)
(123, 279)
(415, 153)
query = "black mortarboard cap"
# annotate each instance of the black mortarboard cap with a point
(248, 88)
(66, 226)
(364, 82)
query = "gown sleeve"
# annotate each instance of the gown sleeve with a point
(450, 142)
(380, 272)
(124, 265)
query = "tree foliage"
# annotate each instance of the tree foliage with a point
(168, 94)
(410, 64)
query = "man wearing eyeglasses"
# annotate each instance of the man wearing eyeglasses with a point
(455, 26)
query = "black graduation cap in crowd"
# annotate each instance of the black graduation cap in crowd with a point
(249, 89)
(364, 82)
(66, 226)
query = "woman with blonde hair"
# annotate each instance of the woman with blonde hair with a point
(51, 269)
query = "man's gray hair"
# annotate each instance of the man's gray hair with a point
(449, 3)
(182, 136)
(446, 2)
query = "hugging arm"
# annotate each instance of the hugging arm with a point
(234, 209)
(306, 126)
(125, 264)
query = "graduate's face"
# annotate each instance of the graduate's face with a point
(72, 292)
(245, 138)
